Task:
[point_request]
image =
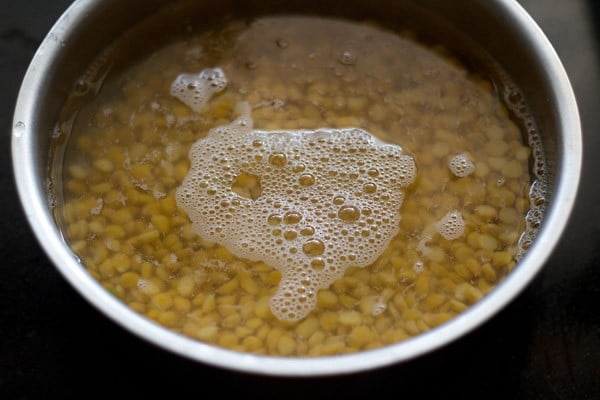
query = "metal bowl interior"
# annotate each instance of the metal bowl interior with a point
(502, 27)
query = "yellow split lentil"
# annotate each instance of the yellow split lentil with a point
(128, 155)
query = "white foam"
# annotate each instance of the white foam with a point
(538, 191)
(461, 165)
(451, 226)
(533, 218)
(196, 89)
(328, 199)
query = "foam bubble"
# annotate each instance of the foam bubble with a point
(461, 165)
(515, 101)
(533, 218)
(196, 89)
(318, 201)
(451, 226)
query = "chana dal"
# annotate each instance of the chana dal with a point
(463, 221)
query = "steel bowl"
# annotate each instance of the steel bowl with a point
(502, 27)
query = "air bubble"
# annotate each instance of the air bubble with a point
(370, 187)
(418, 266)
(307, 179)
(299, 168)
(379, 307)
(307, 231)
(278, 159)
(56, 132)
(373, 172)
(81, 87)
(317, 263)
(347, 58)
(282, 43)
(515, 97)
(339, 200)
(274, 219)
(313, 247)
(292, 217)
(349, 213)
(290, 235)
(19, 128)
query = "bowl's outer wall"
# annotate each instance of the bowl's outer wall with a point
(502, 27)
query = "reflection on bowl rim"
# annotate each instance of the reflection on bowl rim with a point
(34, 202)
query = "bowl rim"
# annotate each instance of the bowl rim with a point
(33, 201)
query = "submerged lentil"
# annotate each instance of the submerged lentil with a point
(129, 153)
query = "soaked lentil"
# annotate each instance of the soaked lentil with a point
(128, 153)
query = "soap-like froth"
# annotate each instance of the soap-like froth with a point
(196, 89)
(539, 188)
(461, 165)
(451, 226)
(324, 200)
(533, 218)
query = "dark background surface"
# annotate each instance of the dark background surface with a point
(544, 345)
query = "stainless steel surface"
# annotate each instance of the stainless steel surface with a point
(502, 27)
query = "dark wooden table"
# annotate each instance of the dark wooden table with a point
(544, 345)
